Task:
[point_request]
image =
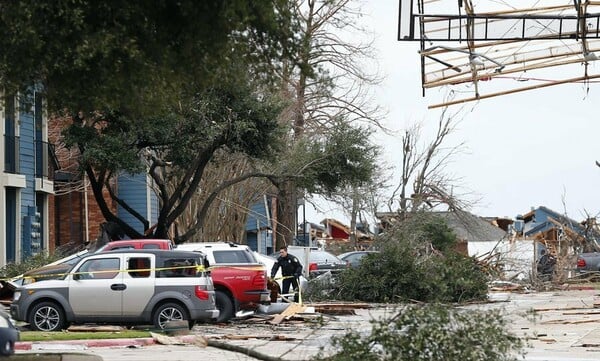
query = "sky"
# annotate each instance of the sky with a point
(521, 151)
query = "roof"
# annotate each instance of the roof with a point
(467, 226)
(549, 219)
(471, 228)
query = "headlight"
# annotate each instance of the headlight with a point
(28, 280)
(16, 296)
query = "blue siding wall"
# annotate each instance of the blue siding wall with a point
(251, 241)
(133, 189)
(27, 164)
(257, 225)
(257, 217)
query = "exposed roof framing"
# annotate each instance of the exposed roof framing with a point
(468, 42)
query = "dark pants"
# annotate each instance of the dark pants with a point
(285, 284)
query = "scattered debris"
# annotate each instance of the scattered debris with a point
(339, 308)
(291, 310)
(95, 328)
(197, 340)
(506, 286)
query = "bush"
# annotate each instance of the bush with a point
(35, 261)
(430, 332)
(38, 260)
(411, 266)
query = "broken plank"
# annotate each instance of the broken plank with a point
(288, 312)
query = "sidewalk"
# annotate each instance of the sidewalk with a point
(558, 326)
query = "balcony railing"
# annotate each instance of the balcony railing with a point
(45, 160)
(11, 154)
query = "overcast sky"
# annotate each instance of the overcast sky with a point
(529, 149)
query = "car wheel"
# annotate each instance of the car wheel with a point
(169, 312)
(224, 305)
(8, 348)
(47, 316)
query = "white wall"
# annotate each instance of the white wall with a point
(516, 257)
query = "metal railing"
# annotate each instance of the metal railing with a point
(44, 160)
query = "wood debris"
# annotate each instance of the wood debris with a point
(339, 308)
(258, 337)
(567, 322)
(287, 313)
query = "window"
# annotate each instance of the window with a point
(103, 268)
(139, 267)
(11, 140)
(175, 267)
(230, 256)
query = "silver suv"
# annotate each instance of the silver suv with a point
(121, 287)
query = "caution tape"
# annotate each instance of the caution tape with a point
(49, 275)
(198, 268)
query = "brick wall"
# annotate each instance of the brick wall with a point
(67, 206)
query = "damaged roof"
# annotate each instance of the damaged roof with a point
(467, 226)
(471, 228)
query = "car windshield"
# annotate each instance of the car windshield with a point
(323, 257)
(234, 256)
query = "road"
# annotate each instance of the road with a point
(566, 326)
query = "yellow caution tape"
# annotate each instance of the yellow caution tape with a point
(199, 268)
(39, 276)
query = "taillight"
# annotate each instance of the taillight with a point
(580, 263)
(260, 280)
(312, 267)
(201, 292)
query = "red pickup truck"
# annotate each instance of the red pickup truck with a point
(164, 244)
(240, 280)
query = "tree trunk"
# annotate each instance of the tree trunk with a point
(287, 199)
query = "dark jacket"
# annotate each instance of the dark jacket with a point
(290, 266)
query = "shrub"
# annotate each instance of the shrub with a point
(35, 261)
(430, 332)
(410, 267)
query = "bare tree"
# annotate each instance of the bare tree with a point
(329, 81)
(425, 181)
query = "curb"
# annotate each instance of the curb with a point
(115, 342)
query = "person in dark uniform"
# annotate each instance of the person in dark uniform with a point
(291, 269)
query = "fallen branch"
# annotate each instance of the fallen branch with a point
(242, 350)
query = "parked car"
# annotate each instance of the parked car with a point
(122, 287)
(240, 280)
(58, 268)
(354, 258)
(166, 244)
(319, 261)
(588, 262)
(9, 334)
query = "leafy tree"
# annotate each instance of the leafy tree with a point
(151, 86)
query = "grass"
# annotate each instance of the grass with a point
(65, 335)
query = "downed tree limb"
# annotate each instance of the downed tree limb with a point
(243, 350)
(202, 341)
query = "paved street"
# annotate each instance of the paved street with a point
(566, 327)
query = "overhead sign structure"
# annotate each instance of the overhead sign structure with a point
(493, 48)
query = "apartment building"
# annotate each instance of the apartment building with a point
(27, 165)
